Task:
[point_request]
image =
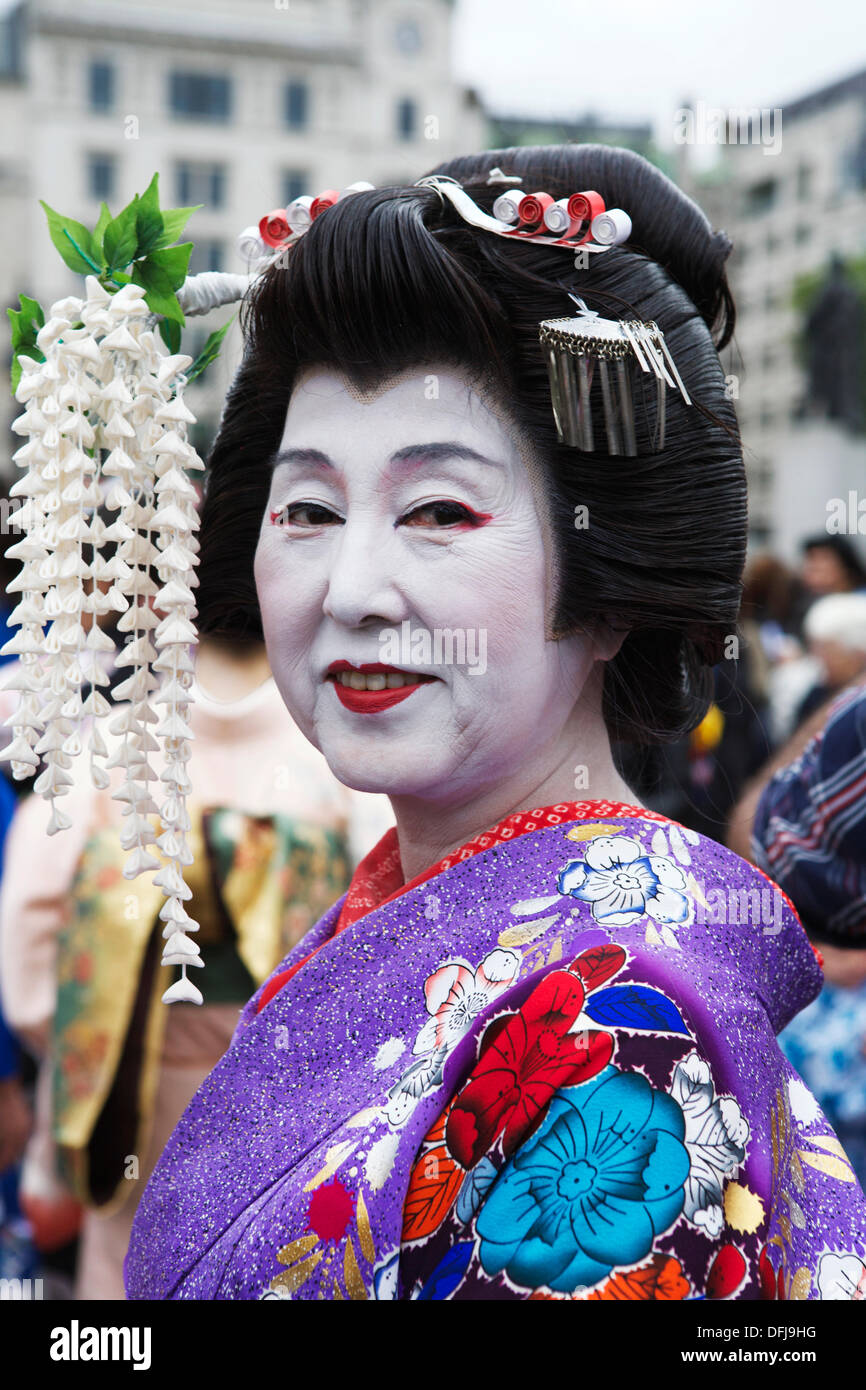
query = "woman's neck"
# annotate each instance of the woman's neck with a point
(428, 831)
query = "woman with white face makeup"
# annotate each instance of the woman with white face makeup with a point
(531, 1052)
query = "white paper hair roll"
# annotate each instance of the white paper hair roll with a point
(251, 246)
(506, 205)
(360, 187)
(612, 227)
(557, 218)
(298, 213)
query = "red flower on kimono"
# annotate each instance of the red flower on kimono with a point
(525, 1058)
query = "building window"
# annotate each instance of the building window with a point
(295, 184)
(297, 105)
(100, 176)
(761, 197)
(207, 255)
(804, 182)
(201, 183)
(407, 118)
(101, 86)
(200, 96)
(802, 232)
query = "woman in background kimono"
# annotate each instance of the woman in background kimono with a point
(275, 836)
(531, 1053)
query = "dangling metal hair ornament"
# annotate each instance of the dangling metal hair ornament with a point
(587, 347)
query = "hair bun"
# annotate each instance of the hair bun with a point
(667, 225)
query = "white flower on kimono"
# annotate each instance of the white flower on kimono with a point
(456, 994)
(385, 1277)
(623, 884)
(423, 1076)
(842, 1277)
(715, 1137)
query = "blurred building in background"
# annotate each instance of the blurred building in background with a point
(789, 213)
(241, 105)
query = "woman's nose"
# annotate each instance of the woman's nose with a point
(364, 578)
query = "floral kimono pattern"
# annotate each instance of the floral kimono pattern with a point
(546, 1071)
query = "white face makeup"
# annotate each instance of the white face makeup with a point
(391, 518)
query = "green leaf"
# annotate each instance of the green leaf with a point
(169, 331)
(33, 309)
(210, 351)
(173, 261)
(149, 218)
(98, 231)
(160, 287)
(120, 242)
(72, 240)
(174, 221)
(26, 323)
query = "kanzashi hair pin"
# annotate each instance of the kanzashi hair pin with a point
(586, 348)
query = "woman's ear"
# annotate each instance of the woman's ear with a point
(607, 640)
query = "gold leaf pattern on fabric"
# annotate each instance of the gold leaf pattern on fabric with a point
(364, 1117)
(826, 1163)
(800, 1284)
(352, 1274)
(291, 1252)
(522, 933)
(774, 1139)
(829, 1142)
(744, 1210)
(365, 1234)
(292, 1279)
(555, 951)
(589, 832)
(796, 1171)
(333, 1158)
(653, 937)
(785, 1228)
(338, 1292)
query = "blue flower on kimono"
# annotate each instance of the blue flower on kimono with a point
(600, 1179)
(622, 884)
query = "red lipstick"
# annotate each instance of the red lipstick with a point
(373, 701)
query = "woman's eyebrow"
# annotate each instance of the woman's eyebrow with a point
(415, 454)
(411, 455)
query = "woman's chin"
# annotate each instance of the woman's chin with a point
(389, 774)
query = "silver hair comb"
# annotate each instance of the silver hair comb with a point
(615, 352)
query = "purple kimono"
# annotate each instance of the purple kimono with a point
(550, 1071)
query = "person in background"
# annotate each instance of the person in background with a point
(275, 837)
(804, 822)
(831, 565)
(835, 632)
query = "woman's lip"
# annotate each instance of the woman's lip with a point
(374, 701)
(371, 668)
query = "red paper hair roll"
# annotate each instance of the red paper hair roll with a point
(612, 227)
(298, 213)
(323, 202)
(532, 207)
(274, 227)
(506, 206)
(586, 205)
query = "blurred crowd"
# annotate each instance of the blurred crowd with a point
(94, 1072)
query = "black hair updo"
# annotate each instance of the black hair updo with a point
(394, 279)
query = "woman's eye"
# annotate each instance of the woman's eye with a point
(443, 514)
(311, 514)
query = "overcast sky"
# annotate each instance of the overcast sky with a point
(639, 59)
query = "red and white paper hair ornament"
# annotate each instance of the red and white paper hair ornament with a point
(580, 220)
